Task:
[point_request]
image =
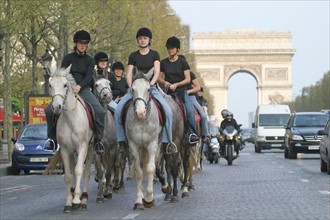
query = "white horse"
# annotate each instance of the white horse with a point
(74, 135)
(143, 131)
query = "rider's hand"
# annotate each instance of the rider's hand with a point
(173, 87)
(77, 89)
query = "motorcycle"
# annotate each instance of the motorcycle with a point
(231, 141)
(213, 152)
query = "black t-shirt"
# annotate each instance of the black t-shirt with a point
(192, 77)
(226, 123)
(143, 62)
(174, 71)
(118, 88)
(81, 69)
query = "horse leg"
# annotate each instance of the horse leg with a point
(67, 179)
(88, 164)
(175, 173)
(99, 176)
(148, 202)
(185, 191)
(168, 166)
(78, 173)
(138, 174)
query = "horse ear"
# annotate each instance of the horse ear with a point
(149, 74)
(67, 70)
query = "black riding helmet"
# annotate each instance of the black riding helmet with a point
(117, 65)
(100, 56)
(144, 32)
(82, 36)
(173, 42)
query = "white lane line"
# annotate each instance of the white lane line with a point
(244, 154)
(290, 171)
(131, 216)
(324, 192)
(304, 180)
(157, 196)
(14, 189)
(281, 166)
(274, 162)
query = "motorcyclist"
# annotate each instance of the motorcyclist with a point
(230, 121)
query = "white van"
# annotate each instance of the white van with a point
(269, 122)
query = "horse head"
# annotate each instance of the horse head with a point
(60, 86)
(102, 90)
(141, 91)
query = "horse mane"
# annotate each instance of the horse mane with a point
(62, 73)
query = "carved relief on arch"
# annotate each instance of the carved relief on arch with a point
(254, 70)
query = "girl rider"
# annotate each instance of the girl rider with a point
(144, 59)
(119, 85)
(82, 71)
(177, 78)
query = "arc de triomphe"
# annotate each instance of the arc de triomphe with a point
(267, 56)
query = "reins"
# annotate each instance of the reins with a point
(65, 97)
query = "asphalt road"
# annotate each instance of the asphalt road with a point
(256, 186)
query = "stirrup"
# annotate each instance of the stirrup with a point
(171, 148)
(195, 141)
(49, 148)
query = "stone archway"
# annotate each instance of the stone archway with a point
(267, 56)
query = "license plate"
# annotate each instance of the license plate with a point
(276, 145)
(316, 147)
(39, 159)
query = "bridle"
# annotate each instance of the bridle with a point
(146, 103)
(65, 97)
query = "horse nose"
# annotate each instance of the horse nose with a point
(141, 114)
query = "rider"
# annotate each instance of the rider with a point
(177, 78)
(230, 121)
(82, 66)
(144, 59)
(101, 61)
(118, 82)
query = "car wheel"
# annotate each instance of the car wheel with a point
(328, 164)
(286, 152)
(26, 172)
(292, 154)
(257, 149)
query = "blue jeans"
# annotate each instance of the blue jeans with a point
(168, 112)
(190, 113)
(205, 129)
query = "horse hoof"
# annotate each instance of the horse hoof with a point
(83, 207)
(148, 204)
(75, 207)
(108, 196)
(174, 199)
(167, 197)
(185, 194)
(67, 209)
(99, 200)
(138, 206)
(166, 190)
(191, 187)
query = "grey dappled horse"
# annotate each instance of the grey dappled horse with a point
(143, 131)
(111, 160)
(74, 135)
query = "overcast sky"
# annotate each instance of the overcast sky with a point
(308, 21)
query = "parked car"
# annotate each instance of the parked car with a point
(325, 149)
(301, 133)
(246, 134)
(29, 153)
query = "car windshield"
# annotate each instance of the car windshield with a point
(273, 119)
(35, 132)
(310, 121)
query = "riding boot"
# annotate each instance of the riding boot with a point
(99, 147)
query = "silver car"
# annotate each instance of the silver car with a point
(325, 149)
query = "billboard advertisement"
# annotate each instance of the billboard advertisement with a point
(37, 105)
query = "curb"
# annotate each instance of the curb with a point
(5, 170)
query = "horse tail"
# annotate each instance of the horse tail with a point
(53, 163)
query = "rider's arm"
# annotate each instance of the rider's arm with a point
(129, 75)
(185, 81)
(195, 88)
(156, 72)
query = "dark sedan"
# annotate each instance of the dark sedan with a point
(29, 153)
(301, 133)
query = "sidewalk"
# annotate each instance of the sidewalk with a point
(4, 162)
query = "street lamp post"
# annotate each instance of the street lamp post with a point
(1, 37)
(46, 61)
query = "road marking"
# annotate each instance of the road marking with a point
(14, 189)
(281, 166)
(157, 196)
(290, 171)
(274, 162)
(244, 154)
(304, 180)
(131, 216)
(325, 192)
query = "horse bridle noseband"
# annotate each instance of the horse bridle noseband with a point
(147, 103)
